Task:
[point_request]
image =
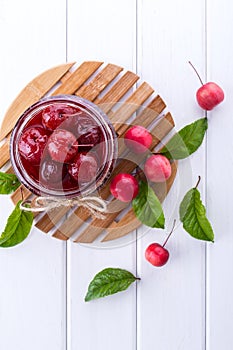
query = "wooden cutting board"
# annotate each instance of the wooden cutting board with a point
(126, 101)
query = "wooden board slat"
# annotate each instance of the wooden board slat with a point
(65, 77)
(130, 106)
(4, 151)
(78, 78)
(151, 111)
(118, 90)
(17, 195)
(99, 83)
(10, 170)
(35, 90)
(50, 219)
(84, 83)
(76, 219)
(96, 228)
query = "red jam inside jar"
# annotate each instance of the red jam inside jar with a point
(63, 146)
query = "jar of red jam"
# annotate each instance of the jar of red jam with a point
(63, 146)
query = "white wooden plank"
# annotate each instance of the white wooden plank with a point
(219, 179)
(104, 31)
(171, 300)
(33, 288)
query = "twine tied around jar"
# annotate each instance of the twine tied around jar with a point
(97, 206)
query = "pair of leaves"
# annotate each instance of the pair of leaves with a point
(186, 141)
(147, 207)
(193, 216)
(8, 183)
(109, 281)
(17, 228)
(149, 211)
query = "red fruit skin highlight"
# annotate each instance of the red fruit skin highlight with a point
(209, 95)
(124, 187)
(157, 168)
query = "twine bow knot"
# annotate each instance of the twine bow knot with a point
(95, 205)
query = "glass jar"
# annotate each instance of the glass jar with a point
(83, 117)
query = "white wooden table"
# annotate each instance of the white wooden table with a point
(187, 304)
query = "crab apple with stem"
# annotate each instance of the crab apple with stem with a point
(55, 115)
(138, 139)
(157, 254)
(124, 187)
(209, 95)
(157, 168)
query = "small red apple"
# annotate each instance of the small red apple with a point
(138, 139)
(156, 253)
(124, 187)
(209, 95)
(157, 168)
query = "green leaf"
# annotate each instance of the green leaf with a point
(109, 281)
(193, 216)
(147, 207)
(8, 183)
(186, 141)
(17, 228)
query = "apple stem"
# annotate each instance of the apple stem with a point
(196, 72)
(88, 145)
(71, 115)
(170, 233)
(198, 181)
(21, 191)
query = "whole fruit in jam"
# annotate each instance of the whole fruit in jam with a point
(92, 137)
(84, 167)
(51, 172)
(82, 123)
(157, 168)
(208, 95)
(157, 254)
(53, 116)
(32, 144)
(138, 139)
(124, 187)
(62, 146)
